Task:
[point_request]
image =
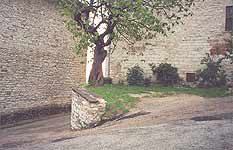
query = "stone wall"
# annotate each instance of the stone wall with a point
(183, 49)
(37, 65)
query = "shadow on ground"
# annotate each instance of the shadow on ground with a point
(124, 117)
(223, 116)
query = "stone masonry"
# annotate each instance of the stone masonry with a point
(87, 109)
(183, 49)
(37, 65)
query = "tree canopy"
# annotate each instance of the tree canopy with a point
(100, 23)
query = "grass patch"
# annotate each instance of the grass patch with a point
(119, 101)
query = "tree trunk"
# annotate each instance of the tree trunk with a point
(96, 77)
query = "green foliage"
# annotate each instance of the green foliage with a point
(101, 23)
(131, 20)
(212, 75)
(165, 73)
(135, 76)
(118, 100)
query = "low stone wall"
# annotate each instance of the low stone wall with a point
(34, 113)
(87, 109)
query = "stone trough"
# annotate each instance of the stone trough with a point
(87, 109)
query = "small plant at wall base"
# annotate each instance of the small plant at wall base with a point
(213, 75)
(135, 76)
(165, 73)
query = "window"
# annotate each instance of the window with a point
(229, 18)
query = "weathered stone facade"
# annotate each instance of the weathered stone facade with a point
(183, 49)
(87, 109)
(37, 65)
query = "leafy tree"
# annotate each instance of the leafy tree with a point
(131, 20)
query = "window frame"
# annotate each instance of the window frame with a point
(229, 18)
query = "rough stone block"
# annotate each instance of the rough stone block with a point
(87, 109)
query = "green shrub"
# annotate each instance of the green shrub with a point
(165, 73)
(213, 75)
(135, 76)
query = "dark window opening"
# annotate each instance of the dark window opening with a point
(190, 77)
(229, 18)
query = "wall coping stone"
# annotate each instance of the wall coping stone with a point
(89, 96)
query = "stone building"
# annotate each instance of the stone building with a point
(184, 49)
(37, 65)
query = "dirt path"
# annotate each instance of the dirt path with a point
(149, 112)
